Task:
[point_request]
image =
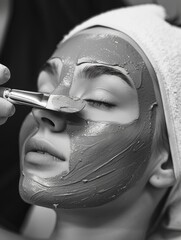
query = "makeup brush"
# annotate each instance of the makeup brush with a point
(59, 103)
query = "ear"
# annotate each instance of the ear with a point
(163, 174)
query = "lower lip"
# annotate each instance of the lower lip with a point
(40, 158)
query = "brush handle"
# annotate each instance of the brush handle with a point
(16, 96)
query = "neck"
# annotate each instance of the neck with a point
(106, 222)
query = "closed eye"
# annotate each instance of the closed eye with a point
(100, 104)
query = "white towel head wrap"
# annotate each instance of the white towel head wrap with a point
(161, 42)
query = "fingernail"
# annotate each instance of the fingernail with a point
(6, 73)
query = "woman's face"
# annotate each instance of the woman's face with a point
(89, 158)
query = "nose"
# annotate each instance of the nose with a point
(56, 122)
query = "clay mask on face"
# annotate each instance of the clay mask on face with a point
(108, 154)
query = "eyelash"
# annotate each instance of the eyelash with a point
(100, 104)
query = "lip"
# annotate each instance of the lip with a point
(42, 146)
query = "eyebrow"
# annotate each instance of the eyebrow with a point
(95, 71)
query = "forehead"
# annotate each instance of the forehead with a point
(103, 46)
(98, 44)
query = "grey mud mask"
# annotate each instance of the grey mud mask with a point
(107, 158)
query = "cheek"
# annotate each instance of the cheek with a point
(117, 150)
(104, 166)
(106, 161)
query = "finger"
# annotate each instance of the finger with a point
(7, 109)
(4, 74)
(3, 120)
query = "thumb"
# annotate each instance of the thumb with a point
(4, 74)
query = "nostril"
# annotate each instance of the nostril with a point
(48, 121)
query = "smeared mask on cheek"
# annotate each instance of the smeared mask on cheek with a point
(107, 158)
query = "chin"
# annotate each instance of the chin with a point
(34, 192)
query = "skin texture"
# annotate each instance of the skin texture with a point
(106, 146)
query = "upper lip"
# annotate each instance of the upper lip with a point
(34, 145)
